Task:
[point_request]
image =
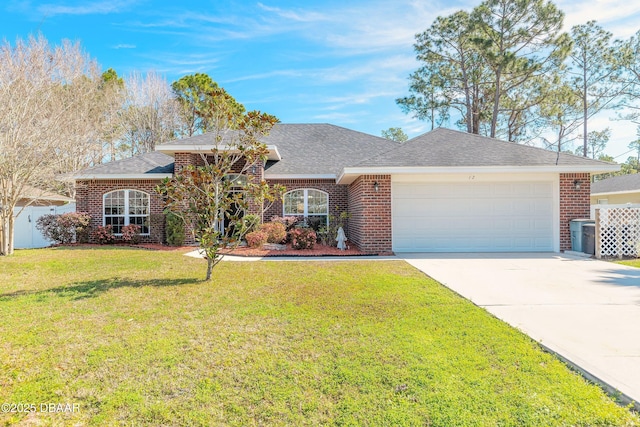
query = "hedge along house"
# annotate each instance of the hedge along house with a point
(444, 191)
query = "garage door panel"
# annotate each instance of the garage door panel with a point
(473, 217)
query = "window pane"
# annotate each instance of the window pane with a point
(138, 203)
(316, 221)
(237, 180)
(116, 223)
(114, 203)
(317, 202)
(294, 202)
(142, 222)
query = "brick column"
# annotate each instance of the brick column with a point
(256, 177)
(370, 223)
(573, 203)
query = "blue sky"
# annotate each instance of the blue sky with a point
(341, 62)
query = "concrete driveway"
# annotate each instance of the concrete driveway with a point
(585, 310)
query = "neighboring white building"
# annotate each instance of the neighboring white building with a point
(26, 235)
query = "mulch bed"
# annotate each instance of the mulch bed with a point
(318, 250)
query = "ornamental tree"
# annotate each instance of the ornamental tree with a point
(212, 199)
(49, 122)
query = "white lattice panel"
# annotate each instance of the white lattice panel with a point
(619, 232)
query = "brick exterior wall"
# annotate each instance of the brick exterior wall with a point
(573, 204)
(89, 198)
(370, 224)
(337, 195)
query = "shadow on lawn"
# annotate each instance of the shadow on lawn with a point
(94, 288)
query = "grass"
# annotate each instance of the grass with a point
(135, 338)
(630, 262)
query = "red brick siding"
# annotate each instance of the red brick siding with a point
(337, 195)
(370, 224)
(184, 159)
(89, 196)
(573, 203)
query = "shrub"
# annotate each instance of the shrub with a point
(250, 223)
(327, 235)
(65, 228)
(156, 227)
(131, 233)
(302, 238)
(276, 232)
(316, 223)
(174, 230)
(103, 234)
(288, 221)
(256, 239)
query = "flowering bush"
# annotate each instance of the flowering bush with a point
(256, 239)
(65, 228)
(131, 233)
(103, 234)
(276, 232)
(302, 238)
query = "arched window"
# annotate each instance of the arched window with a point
(126, 207)
(307, 202)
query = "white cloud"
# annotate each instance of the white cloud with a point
(95, 8)
(124, 46)
(621, 17)
(299, 15)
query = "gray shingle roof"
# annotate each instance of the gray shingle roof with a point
(325, 149)
(616, 184)
(449, 148)
(321, 148)
(149, 163)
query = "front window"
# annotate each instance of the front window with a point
(307, 202)
(238, 181)
(126, 207)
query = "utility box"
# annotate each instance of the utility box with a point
(575, 227)
(589, 239)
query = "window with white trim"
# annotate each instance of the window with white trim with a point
(307, 202)
(126, 207)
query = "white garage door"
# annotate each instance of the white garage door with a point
(473, 217)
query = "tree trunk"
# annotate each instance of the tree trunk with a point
(584, 112)
(496, 104)
(11, 232)
(4, 235)
(209, 268)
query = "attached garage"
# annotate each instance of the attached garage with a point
(450, 191)
(474, 213)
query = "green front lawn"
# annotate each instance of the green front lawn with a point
(630, 262)
(134, 338)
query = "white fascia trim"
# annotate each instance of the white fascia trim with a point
(616, 192)
(172, 149)
(349, 174)
(182, 148)
(123, 176)
(274, 154)
(300, 176)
